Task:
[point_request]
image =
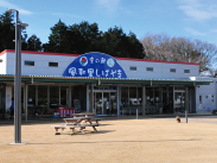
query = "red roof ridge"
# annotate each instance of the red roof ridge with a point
(76, 55)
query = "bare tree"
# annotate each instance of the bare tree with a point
(163, 47)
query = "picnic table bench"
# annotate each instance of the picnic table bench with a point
(77, 123)
(85, 114)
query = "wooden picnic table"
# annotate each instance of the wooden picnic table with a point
(83, 114)
(78, 123)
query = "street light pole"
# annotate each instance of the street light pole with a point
(17, 81)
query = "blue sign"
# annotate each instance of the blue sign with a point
(95, 65)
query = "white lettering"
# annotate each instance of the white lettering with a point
(113, 72)
(119, 73)
(72, 71)
(97, 73)
(106, 72)
(81, 72)
(90, 72)
(103, 60)
(91, 60)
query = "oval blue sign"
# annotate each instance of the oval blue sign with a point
(95, 65)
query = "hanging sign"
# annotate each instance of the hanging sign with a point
(95, 65)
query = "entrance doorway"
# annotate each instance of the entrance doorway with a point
(179, 101)
(105, 102)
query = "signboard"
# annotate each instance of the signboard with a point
(105, 88)
(95, 65)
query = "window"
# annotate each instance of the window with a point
(53, 64)
(213, 99)
(186, 71)
(132, 68)
(200, 99)
(173, 70)
(149, 69)
(29, 63)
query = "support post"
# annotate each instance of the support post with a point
(26, 101)
(186, 104)
(17, 80)
(91, 98)
(143, 100)
(137, 114)
(17, 88)
(118, 100)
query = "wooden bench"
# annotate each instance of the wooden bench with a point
(68, 126)
(79, 123)
(96, 119)
(93, 125)
(63, 127)
(83, 115)
(57, 127)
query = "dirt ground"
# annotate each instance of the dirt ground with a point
(118, 140)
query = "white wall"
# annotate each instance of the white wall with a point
(3, 64)
(206, 91)
(10, 63)
(41, 64)
(194, 70)
(161, 70)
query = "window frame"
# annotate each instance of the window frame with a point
(173, 69)
(187, 70)
(150, 69)
(133, 68)
(29, 63)
(49, 64)
(200, 99)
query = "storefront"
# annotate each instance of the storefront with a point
(99, 83)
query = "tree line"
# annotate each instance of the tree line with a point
(76, 38)
(181, 49)
(85, 37)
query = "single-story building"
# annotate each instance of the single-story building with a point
(107, 85)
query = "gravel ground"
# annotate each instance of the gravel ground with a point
(118, 140)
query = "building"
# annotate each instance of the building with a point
(206, 96)
(101, 83)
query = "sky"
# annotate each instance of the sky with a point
(195, 19)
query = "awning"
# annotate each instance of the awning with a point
(33, 79)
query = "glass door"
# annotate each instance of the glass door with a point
(98, 105)
(179, 102)
(105, 103)
(113, 100)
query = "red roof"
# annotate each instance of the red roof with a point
(76, 55)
